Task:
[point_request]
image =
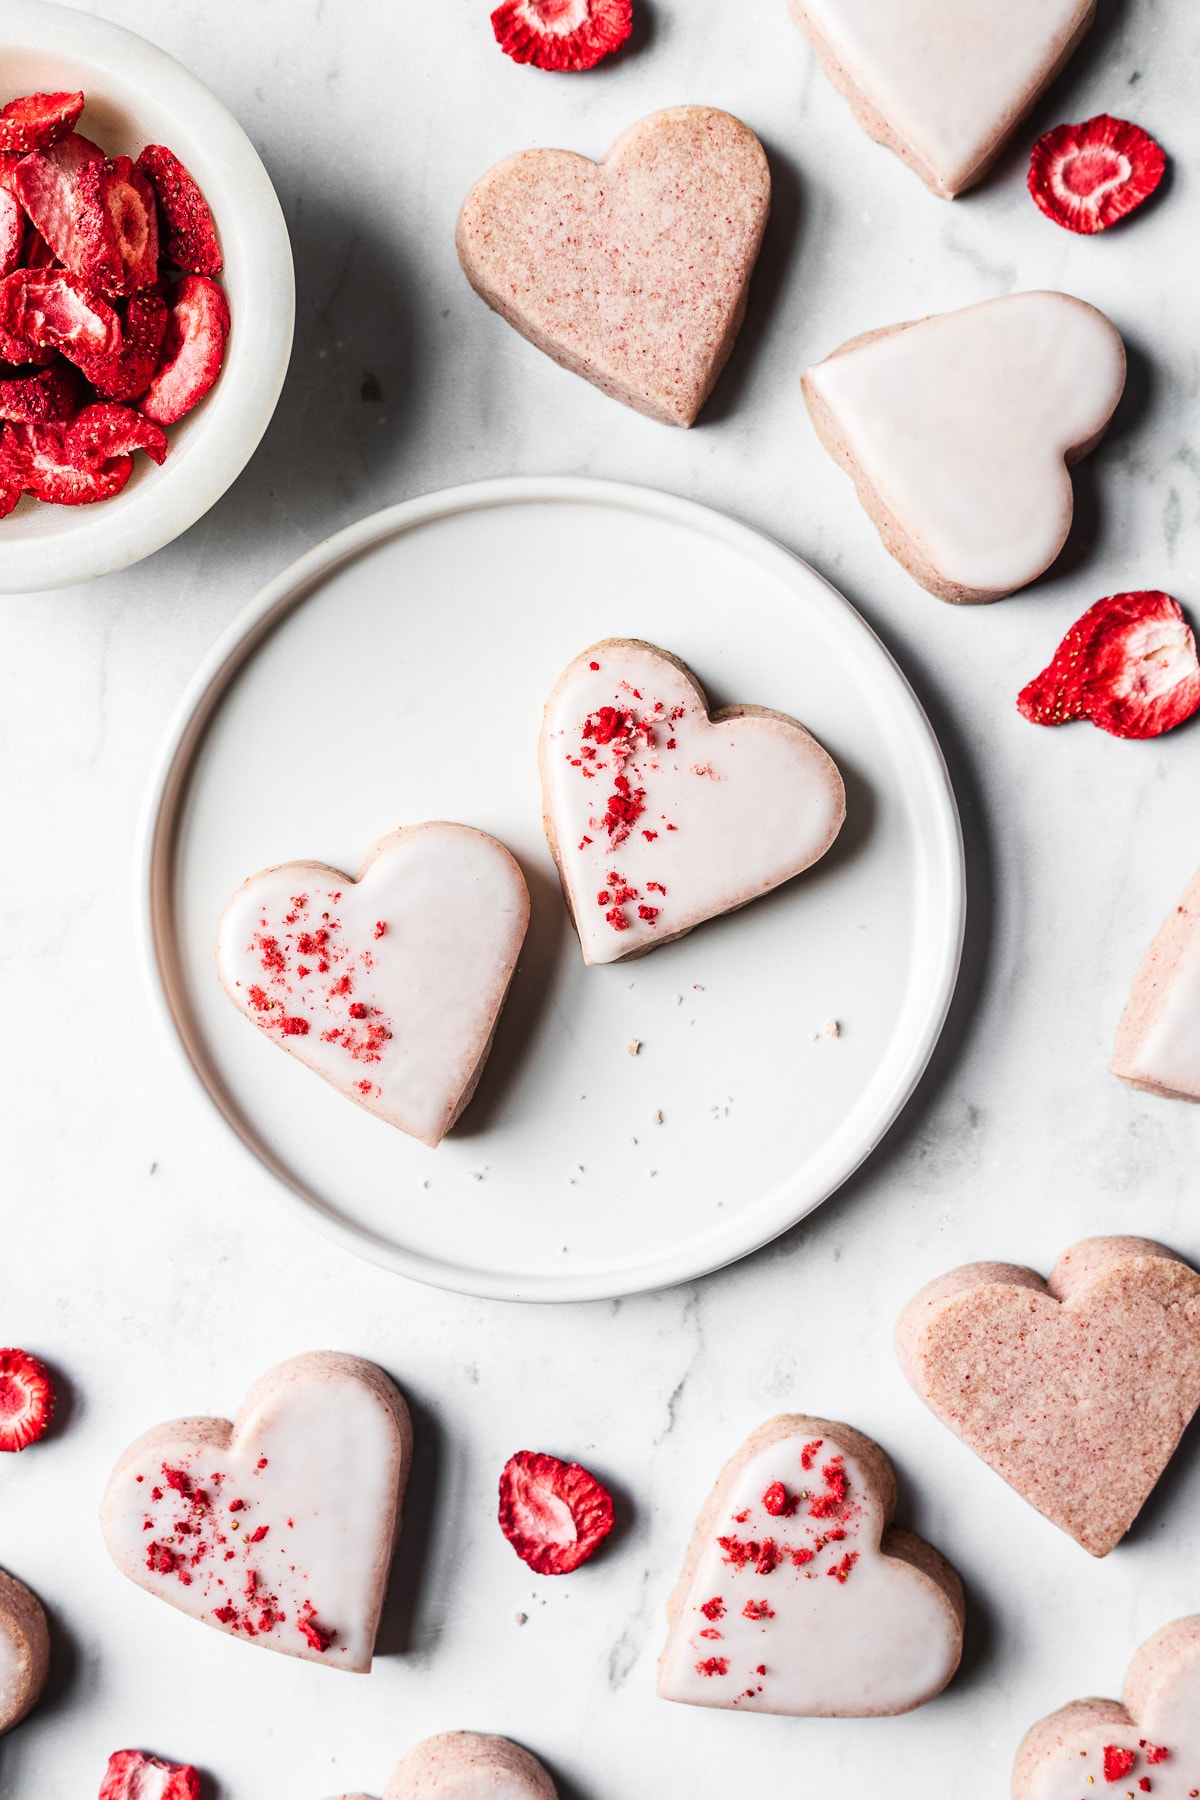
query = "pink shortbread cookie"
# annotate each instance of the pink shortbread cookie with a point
(465, 1765)
(799, 1596)
(390, 984)
(1149, 1745)
(633, 272)
(279, 1528)
(959, 430)
(660, 814)
(1158, 1039)
(943, 86)
(24, 1651)
(1077, 1390)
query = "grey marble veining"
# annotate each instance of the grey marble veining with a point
(144, 1257)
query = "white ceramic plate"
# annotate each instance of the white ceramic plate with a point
(397, 673)
(138, 95)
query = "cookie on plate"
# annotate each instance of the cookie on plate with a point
(1076, 1390)
(799, 1596)
(24, 1651)
(1158, 1039)
(959, 430)
(633, 272)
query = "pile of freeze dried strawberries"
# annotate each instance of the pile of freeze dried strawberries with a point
(112, 325)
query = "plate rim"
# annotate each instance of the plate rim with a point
(155, 840)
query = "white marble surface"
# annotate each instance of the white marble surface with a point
(159, 1275)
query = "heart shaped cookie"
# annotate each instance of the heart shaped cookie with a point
(279, 1528)
(958, 432)
(798, 1595)
(462, 1765)
(632, 272)
(24, 1651)
(1076, 1390)
(945, 91)
(388, 985)
(1149, 1745)
(660, 815)
(1158, 1039)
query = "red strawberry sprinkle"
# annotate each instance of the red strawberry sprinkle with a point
(1117, 1762)
(1087, 177)
(562, 34)
(554, 1514)
(26, 1398)
(132, 1776)
(1129, 665)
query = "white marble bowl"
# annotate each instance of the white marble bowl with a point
(136, 95)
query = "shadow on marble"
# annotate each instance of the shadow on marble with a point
(1089, 522)
(567, 1790)
(979, 1629)
(399, 1634)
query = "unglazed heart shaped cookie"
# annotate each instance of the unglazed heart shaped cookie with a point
(279, 1528)
(659, 815)
(1075, 1390)
(943, 87)
(798, 1596)
(389, 985)
(958, 432)
(24, 1651)
(1149, 1745)
(632, 272)
(462, 1765)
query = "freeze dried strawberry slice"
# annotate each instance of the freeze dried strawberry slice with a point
(562, 34)
(36, 121)
(1086, 177)
(127, 375)
(26, 1393)
(8, 171)
(8, 499)
(116, 222)
(47, 398)
(105, 430)
(1129, 665)
(47, 185)
(554, 1514)
(38, 460)
(191, 232)
(12, 232)
(51, 308)
(132, 1776)
(192, 351)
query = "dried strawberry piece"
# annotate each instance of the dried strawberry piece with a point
(116, 221)
(49, 397)
(1129, 665)
(1117, 1762)
(1086, 177)
(26, 1391)
(191, 236)
(143, 319)
(38, 460)
(36, 121)
(562, 34)
(132, 1776)
(51, 308)
(38, 254)
(12, 232)
(8, 499)
(8, 171)
(192, 352)
(554, 1514)
(105, 430)
(47, 185)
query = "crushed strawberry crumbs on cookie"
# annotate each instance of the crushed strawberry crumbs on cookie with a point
(1087, 177)
(132, 1776)
(26, 1399)
(1129, 665)
(554, 1514)
(562, 35)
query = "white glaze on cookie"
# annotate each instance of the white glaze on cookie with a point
(660, 817)
(278, 1529)
(388, 986)
(1149, 1745)
(788, 1604)
(958, 430)
(1158, 1040)
(943, 86)
(464, 1765)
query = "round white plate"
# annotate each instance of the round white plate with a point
(397, 673)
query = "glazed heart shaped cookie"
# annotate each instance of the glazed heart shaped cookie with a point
(632, 272)
(1150, 1745)
(279, 1528)
(389, 985)
(660, 815)
(24, 1651)
(1077, 1390)
(944, 90)
(958, 432)
(798, 1596)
